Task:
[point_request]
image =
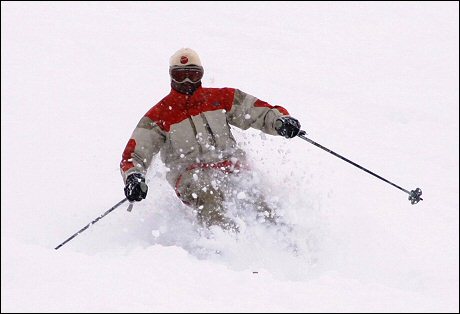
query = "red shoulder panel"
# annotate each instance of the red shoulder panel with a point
(177, 107)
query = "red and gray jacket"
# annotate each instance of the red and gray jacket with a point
(193, 131)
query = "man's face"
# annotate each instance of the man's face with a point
(186, 79)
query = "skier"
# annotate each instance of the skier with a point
(190, 128)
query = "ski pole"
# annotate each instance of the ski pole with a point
(92, 223)
(414, 195)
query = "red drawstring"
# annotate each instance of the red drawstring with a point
(226, 166)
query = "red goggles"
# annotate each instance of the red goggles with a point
(191, 74)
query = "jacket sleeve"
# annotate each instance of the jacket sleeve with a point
(145, 142)
(248, 111)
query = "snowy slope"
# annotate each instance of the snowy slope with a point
(376, 82)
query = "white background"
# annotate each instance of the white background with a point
(376, 82)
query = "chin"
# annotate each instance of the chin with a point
(186, 88)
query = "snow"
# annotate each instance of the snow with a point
(376, 82)
(241, 195)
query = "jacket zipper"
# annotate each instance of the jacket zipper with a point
(195, 133)
(208, 128)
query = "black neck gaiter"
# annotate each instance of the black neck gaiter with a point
(187, 88)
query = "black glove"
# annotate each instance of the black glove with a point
(287, 126)
(136, 188)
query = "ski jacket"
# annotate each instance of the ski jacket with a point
(193, 131)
